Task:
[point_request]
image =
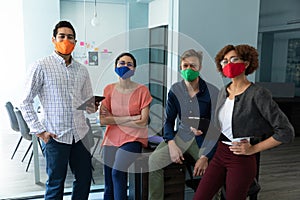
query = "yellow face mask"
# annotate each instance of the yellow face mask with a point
(64, 47)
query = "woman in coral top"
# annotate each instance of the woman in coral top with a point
(125, 112)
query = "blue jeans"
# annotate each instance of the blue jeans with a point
(116, 163)
(58, 156)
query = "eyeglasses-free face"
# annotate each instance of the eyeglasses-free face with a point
(123, 63)
(233, 59)
(65, 33)
(191, 65)
(190, 62)
(62, 36)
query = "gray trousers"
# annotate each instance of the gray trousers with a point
(160, 158)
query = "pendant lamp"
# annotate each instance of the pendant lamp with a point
(95, 20)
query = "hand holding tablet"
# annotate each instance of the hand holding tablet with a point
(89, 102)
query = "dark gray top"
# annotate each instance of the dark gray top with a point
(256, 114)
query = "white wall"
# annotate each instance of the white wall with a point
(38, 29)
(214, 24)
(205, 25)
(218, 23)
(110, 34)
(26, 36)
(158, 13)
(11, 55)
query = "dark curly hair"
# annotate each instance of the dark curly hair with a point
(244, 52)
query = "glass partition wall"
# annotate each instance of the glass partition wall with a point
(97, 46)
(101, 33)
(16, 182)
(280, 59)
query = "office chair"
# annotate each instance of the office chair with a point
(13, 123)
(92, 134)
(25, 134)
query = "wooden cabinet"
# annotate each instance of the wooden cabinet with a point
(174, 178)
(174, 181)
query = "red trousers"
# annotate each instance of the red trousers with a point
(236, 172)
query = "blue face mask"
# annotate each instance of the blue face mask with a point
(124, 72)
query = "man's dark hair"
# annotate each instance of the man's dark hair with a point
(62, 24)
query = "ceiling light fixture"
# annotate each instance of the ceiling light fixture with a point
(95, 21)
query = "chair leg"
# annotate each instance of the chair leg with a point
(42, 149)
(17, 147)
(253, 197)
(29, 161)
(92, 155)
(223, 193)
(93, 169)
(95, 148)
(27, 151)
(93, 179)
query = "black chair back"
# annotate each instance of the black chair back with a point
(23, 125)
(12, 116)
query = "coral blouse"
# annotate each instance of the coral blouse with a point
(129, 104)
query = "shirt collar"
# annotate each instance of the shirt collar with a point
(202, 86)
(61, 59)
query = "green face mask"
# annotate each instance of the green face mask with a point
(189, 74)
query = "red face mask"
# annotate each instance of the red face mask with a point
(64, 47)
(232, 70)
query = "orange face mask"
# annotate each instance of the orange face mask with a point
(64, 47)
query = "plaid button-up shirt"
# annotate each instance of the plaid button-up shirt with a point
(61, 89)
